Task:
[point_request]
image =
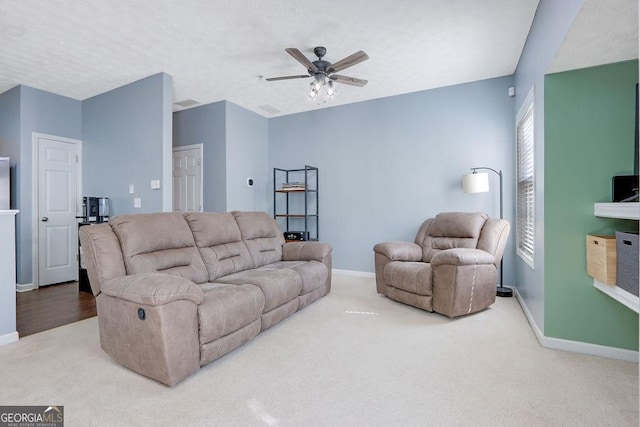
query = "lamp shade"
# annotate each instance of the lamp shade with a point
(475, 182)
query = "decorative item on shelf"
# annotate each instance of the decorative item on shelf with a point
(627, 261)
(479, 183)
(296, 235)
(601, 258)
(293, 186)
(624, 188)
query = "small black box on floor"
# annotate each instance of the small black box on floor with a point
(296, 235)
(627, 261)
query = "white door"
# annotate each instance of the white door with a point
(187, 178)
(57, 201)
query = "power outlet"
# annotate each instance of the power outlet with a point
(137, 202)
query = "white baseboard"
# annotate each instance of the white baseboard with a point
(575, 346)
(354, 273)
(9, 338)
(24, 287)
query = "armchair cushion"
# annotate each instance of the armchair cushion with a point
(414, 277)
(399, 251)
(462, 256)
(450, 230)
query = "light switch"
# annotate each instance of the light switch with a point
(131, 189)
(137, 202)
(155, 184)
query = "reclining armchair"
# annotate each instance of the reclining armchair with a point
(452, 268)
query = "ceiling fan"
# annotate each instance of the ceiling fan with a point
(323, 71)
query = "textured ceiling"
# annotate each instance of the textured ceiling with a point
(604, 31)
(221, 49)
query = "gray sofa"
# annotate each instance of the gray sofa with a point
(177, 291)
(452, 268)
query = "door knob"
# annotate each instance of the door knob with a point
(45, 219)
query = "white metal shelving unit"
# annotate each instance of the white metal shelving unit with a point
(619, 211)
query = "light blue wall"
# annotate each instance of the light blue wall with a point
(206, 125)
(552, 21)
(23, 111)
(235, 146)
(388, 164)
(126, 141)
(247, 157)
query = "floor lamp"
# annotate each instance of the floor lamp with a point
(479, 183)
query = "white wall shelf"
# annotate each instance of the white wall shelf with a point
(620, 210)
(623, 297)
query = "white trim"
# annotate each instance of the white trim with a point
(354, 273)
(9, 338)
(24, 287)
(575, 346)
(526, 258)
(624, 297)
(192, 147)
(35, 229)
(627, 210)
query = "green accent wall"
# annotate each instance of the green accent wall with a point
(589, 138)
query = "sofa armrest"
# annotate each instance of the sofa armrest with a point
(306, 251)
(153, 289)
(462, 256)
(399, 251)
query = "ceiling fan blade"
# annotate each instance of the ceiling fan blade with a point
(349, 61)
(348, 80)
(299, 56)
(273, 79)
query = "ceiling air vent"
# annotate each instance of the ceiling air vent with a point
(269, 109)
(186, 103)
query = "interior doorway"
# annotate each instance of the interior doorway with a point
(187, 178)
(56, 204)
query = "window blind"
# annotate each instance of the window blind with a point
(526, 192)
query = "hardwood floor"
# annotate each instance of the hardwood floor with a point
(51, 306)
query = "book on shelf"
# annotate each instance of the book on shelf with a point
(293, 186)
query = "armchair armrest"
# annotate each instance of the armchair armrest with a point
(153, 289)
(462, 256)
(305, 251)
(399, 251)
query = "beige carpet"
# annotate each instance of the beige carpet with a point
(353, 358)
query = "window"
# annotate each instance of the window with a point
(525, 210)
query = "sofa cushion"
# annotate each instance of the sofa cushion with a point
(262, 236)
(414, 277)
(159, 243)
(450, 230)
(218, 237)
(227, 308)
(279, 286)
(314, 274)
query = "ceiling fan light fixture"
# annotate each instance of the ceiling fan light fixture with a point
(312, 91)
(331, 90)
(318, 82)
